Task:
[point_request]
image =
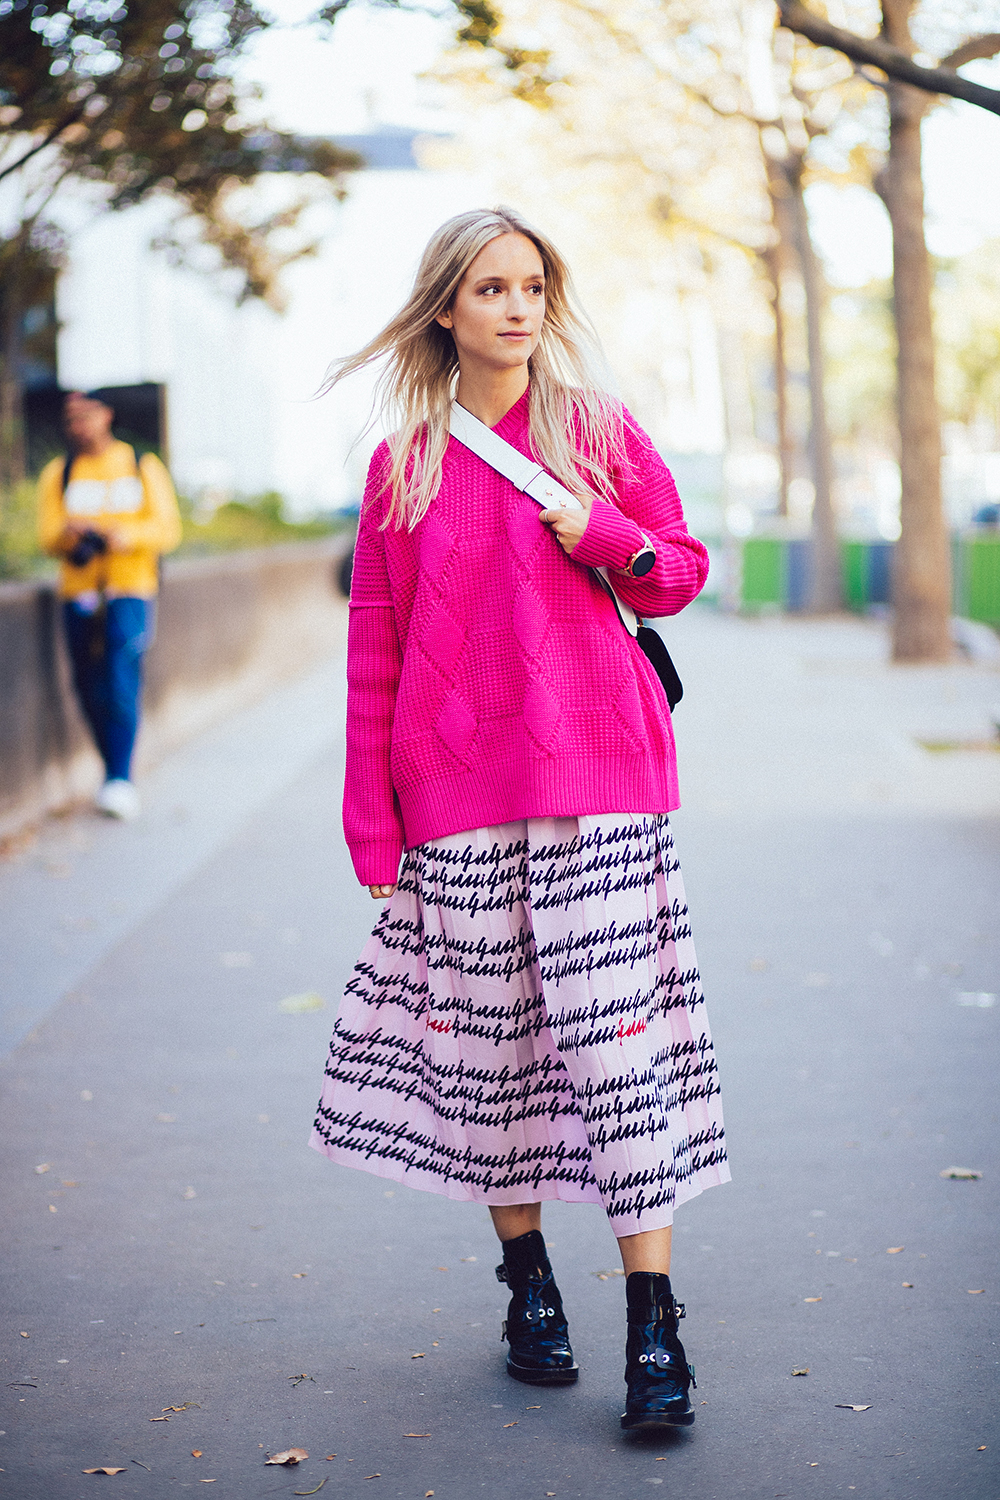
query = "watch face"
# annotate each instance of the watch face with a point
(643, 563)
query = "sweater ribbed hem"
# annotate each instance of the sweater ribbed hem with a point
(376, 861)
(555, 788)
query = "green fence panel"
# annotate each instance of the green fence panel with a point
(764, 567)
(982, 578)
(855, 575)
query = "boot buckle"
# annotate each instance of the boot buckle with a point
(680, 1311)
(502, 1274)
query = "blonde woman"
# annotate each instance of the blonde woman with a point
(526, 1021)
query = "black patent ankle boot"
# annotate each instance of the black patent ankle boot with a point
(656, 1369)
(536, 1327)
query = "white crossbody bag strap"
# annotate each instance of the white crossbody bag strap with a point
(533, 481)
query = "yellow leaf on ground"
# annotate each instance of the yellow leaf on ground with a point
(195, 1452)
(975, 1291)
(812, 1299)
(804, 1370)
(104, 1469)
(297, 1005)
(849, 1406)
(895, 1249)
(289, 1456)
(418, 1356)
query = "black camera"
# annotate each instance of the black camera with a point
(90, 545)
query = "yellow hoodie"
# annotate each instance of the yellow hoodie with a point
(111, 491)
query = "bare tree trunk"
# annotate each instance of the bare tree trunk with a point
(774, 261)
(922, 577)
(13, 456)
(827, 586)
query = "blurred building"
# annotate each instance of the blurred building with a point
(234, 385)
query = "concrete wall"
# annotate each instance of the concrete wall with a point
(228, 629)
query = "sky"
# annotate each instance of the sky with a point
(369, 72)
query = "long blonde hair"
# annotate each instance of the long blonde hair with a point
(569, 408)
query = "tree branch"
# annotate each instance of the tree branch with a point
(47, 140)
(880, 54)
(976, 46)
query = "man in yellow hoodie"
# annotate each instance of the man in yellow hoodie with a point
(108, 517)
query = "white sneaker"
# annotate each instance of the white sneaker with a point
(119, 799)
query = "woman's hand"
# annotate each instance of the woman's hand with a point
(568, 525)
(382, 892)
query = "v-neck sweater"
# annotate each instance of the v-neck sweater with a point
(490, 679)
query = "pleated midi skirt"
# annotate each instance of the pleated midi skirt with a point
(526, 1022)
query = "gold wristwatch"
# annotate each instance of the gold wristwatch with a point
(640, 563)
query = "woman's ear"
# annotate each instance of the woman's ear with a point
(444, 318)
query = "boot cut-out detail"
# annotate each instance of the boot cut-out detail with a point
(535, 1327)
(657, 1373)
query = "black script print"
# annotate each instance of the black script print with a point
(527, 1022)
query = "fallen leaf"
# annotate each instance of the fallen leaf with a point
(290, 1456)
(976, 1291)
(418, 1356)
(441, 1268)
(26, 1335)
(329, 1456)
(298, 1379)
(45, 1166)
(909, 1284)
(53, 1209)
(159, 1419)
(429, 1493)
(978, 1450)
(436, 1344)
(373, 1476)
(311, 1492)
(467, 1259)
(895, 1249)
(803, 1371)
(299, 1275)
(104, 1469)
(297, 1005)
(812, 1299)
(195, 1452)
(849, 1406)
(188, 1405)
(416, 1434)
(532, 1408)
(510, 1424)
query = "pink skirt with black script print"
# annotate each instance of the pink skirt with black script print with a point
(526, 1022)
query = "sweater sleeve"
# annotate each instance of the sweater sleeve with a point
(373, 825)
(647, 504)
(51, 509)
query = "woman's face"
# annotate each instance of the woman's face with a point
(496, 315)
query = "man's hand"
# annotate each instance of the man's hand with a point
(382, 892)
(568, 525)
(70, 535)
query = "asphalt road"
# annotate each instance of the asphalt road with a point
(185, 1249)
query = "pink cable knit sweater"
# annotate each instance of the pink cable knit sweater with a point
(489, 677)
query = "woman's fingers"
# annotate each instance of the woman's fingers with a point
(381, 892)
(568, 525)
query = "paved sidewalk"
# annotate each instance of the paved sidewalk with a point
(184, 1246)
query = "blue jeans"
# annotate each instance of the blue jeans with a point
(106, 648)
